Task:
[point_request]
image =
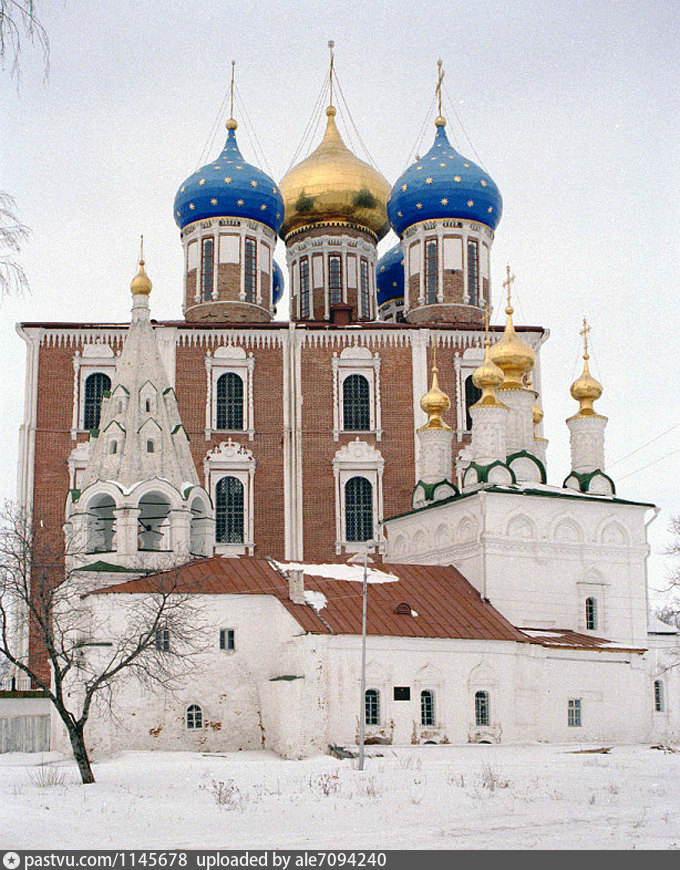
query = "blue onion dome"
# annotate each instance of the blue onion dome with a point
(229, 187)
(390, 275)
(277, 283)
(444, 184)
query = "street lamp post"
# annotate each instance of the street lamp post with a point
(362, 700)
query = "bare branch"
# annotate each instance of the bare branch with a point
(18, 22)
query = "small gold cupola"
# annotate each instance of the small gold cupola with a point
(435, 402)
(141, 283)
(585, 388)
(512, 355)
(488, 377)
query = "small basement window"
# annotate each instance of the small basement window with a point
(194, 717)
(227, 639)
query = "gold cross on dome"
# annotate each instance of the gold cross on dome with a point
(434, 353)
(440, 79)
(487, 315)
(584, 332)
(508, 283)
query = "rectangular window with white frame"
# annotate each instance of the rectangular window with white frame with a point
(227, 639)
(574, 713)
(356, 392)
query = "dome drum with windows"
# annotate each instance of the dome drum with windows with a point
(229, 212)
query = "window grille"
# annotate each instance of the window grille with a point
(473, 272)
(163, 640)
(426, 707)
(207, 268)
(482, 708)
(591, 614)
(365, 299)
(574, 713)
(431, 270)
(358, 509)
(95, 387)
(229, 397)
(335, 278)
(472, 395)
(372, 707)
(229, 511)
(304, 287)
(658, 696)
(356, 404)
(251, 270)
(194, 717)
(227, 638)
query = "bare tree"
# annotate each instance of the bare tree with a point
(13, 233)
(670, 612)
(77, 656)
(18, 22)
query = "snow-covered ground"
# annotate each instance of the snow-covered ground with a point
(421, 797)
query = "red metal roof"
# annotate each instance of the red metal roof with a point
(426, 601)
(447, 606)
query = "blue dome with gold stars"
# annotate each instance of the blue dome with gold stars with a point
(444, 184)
(277, 283)
(229, 187)
(390, 275)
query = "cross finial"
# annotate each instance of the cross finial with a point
(440, 80)
(487, 315)
(141, 249)
(231, 89)
(434, 353)
(331, 46)
(584, 332)
(508, 286)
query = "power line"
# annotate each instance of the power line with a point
(646, 444)
(653, 462)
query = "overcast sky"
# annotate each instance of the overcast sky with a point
(573, 108)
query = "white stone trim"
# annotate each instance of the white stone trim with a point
(230, 459)
(227, 359)
(94, 358)
(357, 459)
(357, 361)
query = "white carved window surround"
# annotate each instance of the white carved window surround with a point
(229, 359)
(93, 359)
(357, 459)
(357, 361)
(230, 459)
(592, 586)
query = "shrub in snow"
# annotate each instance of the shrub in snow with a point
(48, 776)
(492, 779)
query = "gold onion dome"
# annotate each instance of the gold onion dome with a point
(512, 355)
(435, 402)
(141, 283)
(488, 377)
(586, 390)
(333, 186)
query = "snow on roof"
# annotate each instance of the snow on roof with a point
(338, 571)
(315, 599)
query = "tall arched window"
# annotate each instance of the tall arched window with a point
(356, 404)
(427, 707)
(304, 287)
(229, 396)
(659, 705)
(365, 299)
(95, 387)
(473, 272)
(250, 271)
(482, 708)
(591, 614)
(194, 717)
(372, 707)
(431, 271)
(335, 278)
(229, 511)
(472, 395)
(358, 509)
(207, 268)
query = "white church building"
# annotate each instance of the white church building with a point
(501, 607)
